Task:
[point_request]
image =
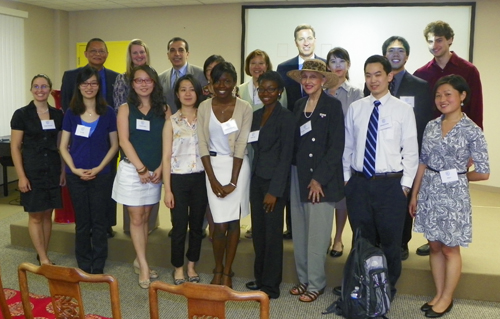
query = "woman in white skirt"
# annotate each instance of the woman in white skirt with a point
(138, 180)
(224, 126)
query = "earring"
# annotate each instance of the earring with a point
(462, 104)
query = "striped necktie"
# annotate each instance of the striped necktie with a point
(371, 143)
(176, 77)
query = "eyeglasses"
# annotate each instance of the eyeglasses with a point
(268, 90)
(92, 84)
(148, 81)
(40, 87)
(101, 52)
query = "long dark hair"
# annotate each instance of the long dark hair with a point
(156, 98)
(197, 89)
(76, 105)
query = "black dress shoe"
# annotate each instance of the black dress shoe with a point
(252, 285)
(405, 253)
(337, 290)
(432, 314)
(170, 233)
(203, 233)
(424, 250)
(336, 253)
(287, 234)
(426, 307)
(110, 232)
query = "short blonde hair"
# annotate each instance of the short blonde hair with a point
(130, 63)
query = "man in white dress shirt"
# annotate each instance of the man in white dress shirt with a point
(178, 53)
(376, 198)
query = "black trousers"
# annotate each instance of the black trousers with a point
(111, 206)
(90, 200)
(190, 197)
(267, 235)
(407, 226)
(378, 207)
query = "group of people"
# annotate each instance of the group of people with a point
(301, 138)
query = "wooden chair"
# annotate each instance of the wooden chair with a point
(206, 301)
(3, 302)
(64, 286)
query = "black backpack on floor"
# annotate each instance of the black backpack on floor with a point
(365, 287)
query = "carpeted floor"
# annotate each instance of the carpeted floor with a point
(134, 300)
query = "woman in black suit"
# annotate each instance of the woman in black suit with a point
(317, 176)
(272, 141)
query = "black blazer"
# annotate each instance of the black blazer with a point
(318, 153)
(273, 151)
(293, 91)
(424, 104)
(69, 84)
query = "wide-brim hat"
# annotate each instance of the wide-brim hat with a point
(315, 65)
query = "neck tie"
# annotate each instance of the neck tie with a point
(176, 77)
(392, 87)
(371, 143)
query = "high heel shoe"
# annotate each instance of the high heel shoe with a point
(152, 273)
(144, 284)
(227, 279)
(40, 263)
(433, 314)
(336, 253)
(217, 278)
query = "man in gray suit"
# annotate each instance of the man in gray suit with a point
(178, 53)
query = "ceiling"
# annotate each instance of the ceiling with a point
(79, 5)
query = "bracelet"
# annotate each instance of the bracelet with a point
(141, 169)
(232, 184)
(142, 173)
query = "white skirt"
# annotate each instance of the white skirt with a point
(128, 189)
(228, 208)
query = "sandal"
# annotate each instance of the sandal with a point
(298, 289)
(217, 278)
(311, 295)
(227, 279)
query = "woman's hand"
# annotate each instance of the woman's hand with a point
(412, 207)
(24, 185)
(62, 179)
(169, 199)
(269, 203)
(228, 189)
(156, 177)
(217, 188)
(145, 177)
(84, 174)
(315, 190)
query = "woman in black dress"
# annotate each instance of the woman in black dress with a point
(35, 133)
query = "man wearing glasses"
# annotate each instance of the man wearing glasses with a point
(96, 53)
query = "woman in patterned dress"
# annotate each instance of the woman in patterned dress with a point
(442, 208)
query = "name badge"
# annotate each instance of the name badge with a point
(408, 99)
(385, 123)
(253, 136)
(142, 125)
(48, 125)
(449, 176)
(229, 127)
(82, 130)
(305, 128)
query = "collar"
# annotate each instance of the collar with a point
(301, 61)
(383, 100)
(454, 59)
(182, 71)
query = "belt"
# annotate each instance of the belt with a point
(379, 175)
(436, 171)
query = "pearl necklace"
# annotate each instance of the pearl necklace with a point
(43, 111)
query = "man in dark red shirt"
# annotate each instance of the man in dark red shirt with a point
(439, 36)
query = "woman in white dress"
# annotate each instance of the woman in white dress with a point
(224, 124)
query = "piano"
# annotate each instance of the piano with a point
(5, 160)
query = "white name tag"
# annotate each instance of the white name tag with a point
(48, 125)
(408, 99)
(253, 136)
(142, 125)
(305, 128)
(82, 130)
(385, 123)
(449, 175)
(229, 127)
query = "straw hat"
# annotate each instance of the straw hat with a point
(315, 65)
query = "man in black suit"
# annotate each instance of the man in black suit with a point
(96, 53)
(413, 91)
(305, 40)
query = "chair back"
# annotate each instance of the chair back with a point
(3, 303)
(206, 301)
(64, 287)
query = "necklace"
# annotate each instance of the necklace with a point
(43, 111)
(305, 115)
(222, 111)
